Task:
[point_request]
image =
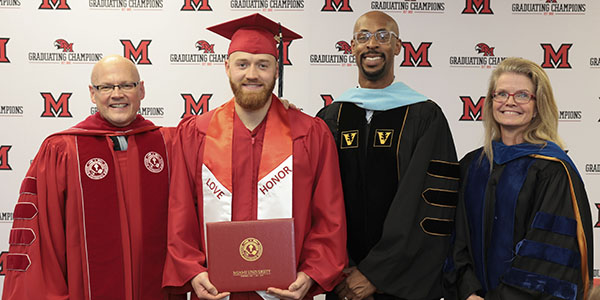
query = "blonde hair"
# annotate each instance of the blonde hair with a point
(544, 126)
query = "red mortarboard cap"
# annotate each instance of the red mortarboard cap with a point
(253, 34)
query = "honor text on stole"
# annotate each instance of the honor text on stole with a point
(277, 177)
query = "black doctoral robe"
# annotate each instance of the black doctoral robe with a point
(550, 243)
(400, 180)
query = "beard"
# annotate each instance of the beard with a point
(252, 100)
(376, 74)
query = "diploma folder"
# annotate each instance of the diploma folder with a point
(251, 255)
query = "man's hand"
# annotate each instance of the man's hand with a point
(296, 291)
(342, 290)
(204, 289)
(360, 286)
(474, 297)
(287, 104)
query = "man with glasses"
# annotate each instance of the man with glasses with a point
(399, 174)
(91, 218)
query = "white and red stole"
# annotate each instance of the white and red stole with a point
(100, 204)
(274, 185)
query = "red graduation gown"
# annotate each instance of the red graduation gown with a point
(318, 208)
(53, 236)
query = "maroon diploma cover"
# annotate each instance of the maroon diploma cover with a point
(251, 255)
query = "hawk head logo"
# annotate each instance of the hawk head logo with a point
(203, 45)
(343, 46)
(64, 45)
(485, 49)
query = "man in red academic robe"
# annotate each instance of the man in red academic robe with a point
(90, 222)
(237, 147)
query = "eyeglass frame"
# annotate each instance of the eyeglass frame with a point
(113, 86)
(371, 34)
(531, 97)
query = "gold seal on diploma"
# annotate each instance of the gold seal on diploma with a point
(251, 249)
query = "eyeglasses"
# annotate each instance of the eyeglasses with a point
(108, 88)
(381, 36)
(521, 97)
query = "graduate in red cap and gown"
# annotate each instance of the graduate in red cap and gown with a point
(91, 218)
(238, 147)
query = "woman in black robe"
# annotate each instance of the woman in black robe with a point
(523, 223)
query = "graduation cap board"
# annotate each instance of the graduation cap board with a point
(256, 34)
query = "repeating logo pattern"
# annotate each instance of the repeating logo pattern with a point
(484, 58)
(337, 6)
(54, 4)
(137, 54)
(196, 5)
(556, 59)
(267, 6)
(3, 57)
(410, 6)
(56, 108)
(342, 57)
(4, 165)
(418, 57)
(193, 107)
(64, 54)
(472, 111)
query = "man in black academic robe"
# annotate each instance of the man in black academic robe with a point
(399, 175)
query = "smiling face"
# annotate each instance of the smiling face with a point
(118, 107)
(375, 61)
(252, 78)
(513, 118)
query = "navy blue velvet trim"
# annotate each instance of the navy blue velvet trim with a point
(547, 252)
(500, 251)
(541, 283)
(504, 154)
(477, 178)
(556, 224)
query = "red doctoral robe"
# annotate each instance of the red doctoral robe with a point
(317, 208)
(90, 222)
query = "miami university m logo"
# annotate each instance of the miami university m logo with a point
(556, 59)
(56, 108)
(478, 7)
(4, 157)
(327, 99)
(286, 59)
(3, 58)
(472, 111)
(337, 5)
(192, 107)
(416, 58)
(54, 4)
(139, 54)
(196, 5)
(597, 225)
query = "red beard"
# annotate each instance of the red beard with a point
(252, 100)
